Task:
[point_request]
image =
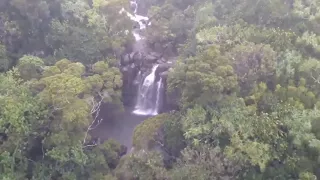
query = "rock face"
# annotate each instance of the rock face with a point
(145, 57)
(167, 49)
(140, 61)
(163, 67)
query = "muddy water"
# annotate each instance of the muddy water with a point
(118, 126)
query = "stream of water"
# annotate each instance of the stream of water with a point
(149, 94)
(121, 126)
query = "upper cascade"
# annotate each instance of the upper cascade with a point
(134, 4)
(141, 20)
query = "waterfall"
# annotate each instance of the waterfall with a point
(135, 6)
(149, 94)
(158, 99)
(141, 20)
(149, 90)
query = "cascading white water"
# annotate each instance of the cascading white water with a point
(135, 4)
(141, 20)
(149, 95)
(159, 86)
(149, 92)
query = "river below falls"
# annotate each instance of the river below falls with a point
(118, 126)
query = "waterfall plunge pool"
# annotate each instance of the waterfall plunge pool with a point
(120, 126)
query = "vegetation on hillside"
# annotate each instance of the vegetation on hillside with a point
(247, 83)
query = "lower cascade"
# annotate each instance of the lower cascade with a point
(149, 94)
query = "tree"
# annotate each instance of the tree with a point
(203, 79)
(21, 118)
(253, 64)
(47, 118)
(4, 59)
(205, 163)
(142, 165)
(148, 134)
(87, 34)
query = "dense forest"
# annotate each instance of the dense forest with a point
(243, 91)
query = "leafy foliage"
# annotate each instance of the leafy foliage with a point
(247, 82)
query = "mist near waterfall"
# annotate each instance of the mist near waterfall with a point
(149, 93)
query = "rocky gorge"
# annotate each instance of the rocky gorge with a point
(138, 64)
(144, 69)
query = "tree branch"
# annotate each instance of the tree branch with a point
(317, 80)
(95, 110)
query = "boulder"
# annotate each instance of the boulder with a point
(164, 74)
(150, 58)
(132, 55)
(147, 66)
(128, 93)
(125, 60)
(144, 22)
(129, 70)
(136, 25)
(124, 69)
(123, 150)
(156, 54)
(163, 67)
(137, 57)
(158, 47)
(161, 61)
(169, 50)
